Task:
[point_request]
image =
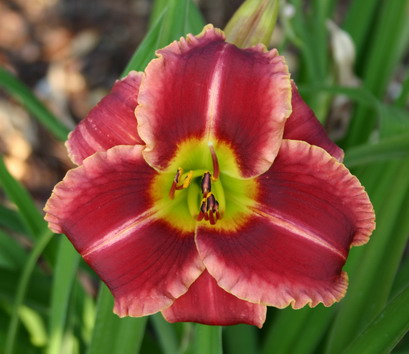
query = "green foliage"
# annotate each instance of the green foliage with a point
(58, 314)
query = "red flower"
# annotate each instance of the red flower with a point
(216, 200)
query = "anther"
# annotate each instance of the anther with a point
(187, 180)
(175, 182)
(209, 209)
(206, 184)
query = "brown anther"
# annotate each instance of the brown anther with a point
(175, 182)
(209, 209)
(206, 184)
(203, 206)
(215, 161)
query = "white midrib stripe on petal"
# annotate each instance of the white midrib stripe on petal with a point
(213, 100)
(121, 232)
(279, 221)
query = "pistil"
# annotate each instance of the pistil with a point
(215, 162)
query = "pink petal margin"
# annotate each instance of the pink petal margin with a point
(207, 303)
(111, 122)
(293, 246)
(304, 125)
(206, 89)
(105, 209)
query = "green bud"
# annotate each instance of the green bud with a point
(252, 23)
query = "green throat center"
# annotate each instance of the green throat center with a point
(211, 208)
(203, 187)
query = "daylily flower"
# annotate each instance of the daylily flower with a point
(223, 196)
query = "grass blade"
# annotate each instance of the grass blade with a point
(378, 260)
(208, 339)
(17, 194)
(12, 255)
(385, 149)
(378, 68)
(11, 220)
(165, 333)
(64, 275)
(23, 94)
(385, 332)
(146, 50)
(241, 339)
(176, 19)
(130, 335)
(42, 242)
(284, 329)
(106, 324)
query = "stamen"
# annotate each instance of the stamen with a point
(209, 209)
(175, 182)
(177, 187)
(206, 184)
(215, 161)
(187, 180)
(221, 199)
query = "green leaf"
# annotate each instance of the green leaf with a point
(106, 324)
(16, 193)
(12, 255)
(241, 339)
(176, 19)
(394, 120)
(146, 50)
(165, 333)
(282, 333)
(313, 331)
(130, 335)
(358, 20)
(388, 328)
(403, 98)
(34, 324)
(208, 339)
(387, 37)
(378, 261)
(64, 275)
(402, 277)
(112, 334)
(386, 149)
(42, 242)
(157, 9)
(12, 220)
(24, 95)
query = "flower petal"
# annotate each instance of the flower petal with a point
(304, 125)
(292, 249)
(207, 303)
(205, 89)
(112, 122)
(106, 210)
